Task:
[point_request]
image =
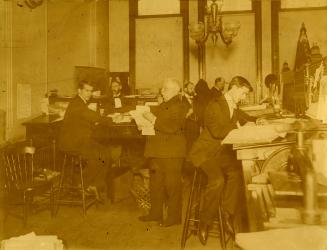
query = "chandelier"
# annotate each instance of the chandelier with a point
(214, 25)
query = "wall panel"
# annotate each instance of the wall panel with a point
(159, 50)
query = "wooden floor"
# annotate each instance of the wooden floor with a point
(106, 227)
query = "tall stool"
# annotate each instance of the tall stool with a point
(69, 192)
(192, 216)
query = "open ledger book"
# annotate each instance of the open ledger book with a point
(253, 134)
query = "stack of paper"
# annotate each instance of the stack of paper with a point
(32, 241)
(252, 134)
(143, 124)
(254, 107)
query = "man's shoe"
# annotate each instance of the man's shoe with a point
(228, 223)
(203, 233)
(148, 218)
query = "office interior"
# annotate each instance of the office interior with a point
(49, 46)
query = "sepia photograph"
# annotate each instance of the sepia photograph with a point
(163, 124)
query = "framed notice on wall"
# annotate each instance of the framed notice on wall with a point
(158, 51)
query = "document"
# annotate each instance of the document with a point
(253, 134)
(33, 241)
(142, 124)
(254, 107)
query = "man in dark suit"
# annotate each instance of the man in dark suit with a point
(219, 162)
(166, 151)
(218, 88)
(76, 137)
(115, 101)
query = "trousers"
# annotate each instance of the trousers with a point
(224, 184)
(166, 188)
(98, 159)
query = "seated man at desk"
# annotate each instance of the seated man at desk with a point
(166, 151)
(272, 84)
(219, 162)
(115, 98)
(75, 137)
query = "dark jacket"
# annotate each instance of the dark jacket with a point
(169, 140)
(109, 105)
(217, 124)
(215, 92)
(78, 122)
(201, 100)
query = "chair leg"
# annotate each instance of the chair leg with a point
(52, 201)
(193, 192)
(60, 185)
(221, 229)
(82, 187)
(26, 207)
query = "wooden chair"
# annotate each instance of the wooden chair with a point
(26, 183)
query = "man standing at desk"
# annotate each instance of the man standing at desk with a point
(219, 162)
(166, 151)
(76, 137)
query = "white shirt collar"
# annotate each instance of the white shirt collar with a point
(85, 101)
(231, 104)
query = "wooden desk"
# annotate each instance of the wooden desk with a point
(274, 203)
(46, 128)
(253, 157)
(44, 131)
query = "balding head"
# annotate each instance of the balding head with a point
(170, 88)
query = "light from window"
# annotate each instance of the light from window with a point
(289, 4)
(235, 5)
(158, 7)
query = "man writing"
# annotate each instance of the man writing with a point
(166, 151)
(219, 162)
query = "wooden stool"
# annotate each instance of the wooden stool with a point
(68, 192)
(192, 217)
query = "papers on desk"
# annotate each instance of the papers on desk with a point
(120, 118)
(252, 134)
(32, 241)
(151, 104)
(142, 124)
(254, 107)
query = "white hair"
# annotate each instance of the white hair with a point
(172, 84)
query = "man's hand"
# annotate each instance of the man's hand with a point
(189, 113)
(150, 117)
(261, 121)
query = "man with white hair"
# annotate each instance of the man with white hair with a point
(166, 151)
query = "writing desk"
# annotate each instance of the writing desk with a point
(253, 157)
(276, 203)
(45, 128)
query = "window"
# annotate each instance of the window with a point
(158, 7)
(234, 5)
(289, 4)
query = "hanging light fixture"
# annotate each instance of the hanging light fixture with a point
(213, 25)
(32, 4)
